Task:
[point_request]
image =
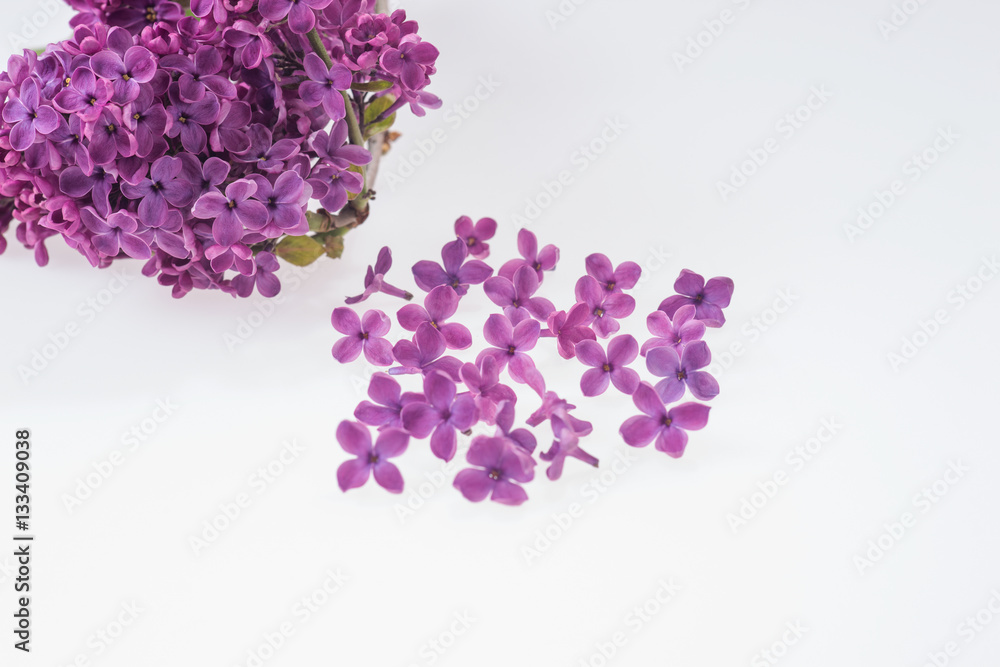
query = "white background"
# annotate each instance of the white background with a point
(653, 191)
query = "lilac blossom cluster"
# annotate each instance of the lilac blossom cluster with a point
(454, 395)
(193, 138)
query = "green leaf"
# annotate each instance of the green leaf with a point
(318, 220)
(381, 126)
(371, 86)
(299, 250)
(377, 106)
(333, 245)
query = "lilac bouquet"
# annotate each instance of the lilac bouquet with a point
(195, 137)
(451, 395)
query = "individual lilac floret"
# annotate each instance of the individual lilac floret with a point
(483, 382)
(362, 334)
(682, 370)
(423, 354)
(263, 279)
(408, 61)
(439, 304)
(301, 13)
(569, 328)
(500, 463)
(606, 308)
(116, 234)
(521, 437)
(540, 260)
(159, 191)
(612, 279)
(674, 332)
(611, 367)
(444, 413)
(126, 73)
(668, 427)
(233, 212)
(708, 298)
(554, 407)
(28, 116)
(511, 345)
(566, 444)
(476, 235)
(516, 296)
(355, 439)
(456, 272)
(375, 280)
(324, 85)
(388, 400)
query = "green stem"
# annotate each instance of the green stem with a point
(359, 203)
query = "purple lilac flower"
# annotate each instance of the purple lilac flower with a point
(162, 189)
(388, 400)
(570, 328)
(444, 413)
(608, 368)
(324, 85)
(521, 437)
(190, 119)
(668, 427)
(516, 296)
(28, 116)
(676, 332)
(423, 354)
(566, 444)
(708, 298)
(114, 235)
(456, 273)
(500, 464)
(540, 260)
(229, 133)
(612, 279)
(301, 13)
(682, 370)
(476, 235)
(284, 200)
(335, 149)
(511, 345)
(606, 308)
(483, 382)
(146, 119)
(264, 153)
(364, 333)
(375, 280)
(263, 279)
(233, 212)
(554, 407)
(200, 75)
(249, 41)
(409, 61)
(111, 139)
(126, 73)
(86, 95)
(355, 439)
(333, 185)
(439, 304)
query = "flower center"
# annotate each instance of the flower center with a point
(67, 81)
(126, 76)
(471, 241)
(682, 374)
(495, 474)
(111, 129)
(599, 312)
(151, 14)
(606, 368)
(537, 266)
(434, 324)
(93, 101)
(610, 286)
(231, 204)
(363, 335)
(373, 458)
(511, 350)
(698, 299)
(137, 116)
(182, 119)
(515, 303)
(667, 421)
(454, 283)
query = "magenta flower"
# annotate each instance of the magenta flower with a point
(249, 40)
(439, 304)
(423, 354)
(668, 427)
(456, 273)
(610, 368)
(612, 279)
(511, 345)
(86, 95)
(540, 261)
(114, 235)
(190, 120)
(483, 382)
(388, 400)
(444, 413)
(516, 297)
(232, 211)
(301, 13)
(263, 278)
(409, 61)
(682, 330)
(682, 370)
(708, 298)
(126, 73)
(362, 334)
(111, 139)
(337, 151)
(500, 464)
(28, 116)
(569, 328)
(234, 256)
(566, 444)
(161, 190)
(355, 439)
(476, 236)
(375, 279)
(146, 118)
(555, 408)
(200, 75)
(333, 185)
(264, 153)
(521, 437)
(606, 308)
(284, 200)
(324, 85)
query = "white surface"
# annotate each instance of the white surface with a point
(653, 190)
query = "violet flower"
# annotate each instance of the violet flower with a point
(355, 439)
(439, 304)
(516, 296)
(483, 382)
(162, 189)
(608, 368)
(668, 427)
(521, 437)
(28, 116)
(500, 464)
(676, 332)
(408, 61)
(605, 308)
(570, 328)
(114, 235)
(682, 370)
(375, 279)
(444, 413)
(324, 86)
(364, 333)
(423, 354)
(456, 273)
(541, 261)
(125, 73)
(301, 13)
(566, 444)
(263, 278)
(708, 298)
(388, 400)
(86, 95)
(511, 345)
(612, 279)
(476, 235)
(233, 212)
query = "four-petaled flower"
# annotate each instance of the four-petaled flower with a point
(682, 370)
(708, 298)
(364, 333)
(675, 332)
(476, 235)
(444, 413)
(159, 191)
(456, 273)
(439, 304)
(611, 367)
(301, 13)
(567, 443)
(408, 61)
(500, 463)
(355, 439)
(516, 296)
(569, 328)
(605, 307)
(114, 235)
(388, 400)
(125, 72)
(668, 427)
(511, 344)
(234, 211)
(423, 354)
(324, 85)
(540, 260)
(612, 279)
(29, 116)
